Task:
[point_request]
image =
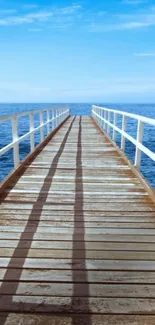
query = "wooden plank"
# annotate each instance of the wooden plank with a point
(93, 276)
(28, 159)
(67, 289)
(89, 254)
(69, 199)
(90, 264)
(86, 186)
(66, 178)
(77, 235)
(70, 231)
(92, 207)
(135, 171)
(59, 220)
(68, 245)
(35, 319)
(46, 213)
(78, 224)
(81, 305)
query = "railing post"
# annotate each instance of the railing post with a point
(93, 109)
(63, 117)
(15, 138)
(48, 120)
(103, 115)
(123, 129)
(31, 117)
(50, 113)
(100, 117)
(115, 124)
(140, 132)
(106, 118)
(52, 119)
(55, 116)
(101, 121)
(109, 117)
(98, 112)
(59, 116)
(42, 128)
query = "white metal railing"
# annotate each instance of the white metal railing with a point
(104, 117)
(58, 116)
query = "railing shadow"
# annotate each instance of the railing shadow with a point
(78, 211)
(39, 204)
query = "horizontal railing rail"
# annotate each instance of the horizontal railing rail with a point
(103, 116)
(58, 116)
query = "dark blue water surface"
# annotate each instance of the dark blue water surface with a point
(148, 110)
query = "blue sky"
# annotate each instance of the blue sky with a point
(84, 51)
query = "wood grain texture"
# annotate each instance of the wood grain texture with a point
(38, 319)
(77, 236)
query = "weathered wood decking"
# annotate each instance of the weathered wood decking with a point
(77, 236)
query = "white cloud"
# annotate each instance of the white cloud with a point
(138, 20)
(41, 16)
(123, 86)
(35, 30)
(133, 2)
(95, 27)
(95, 89)
(20, 91)
(4, 12)
(64, 17)
(69, 10)
(144, 54)
(28, 18)
(101, 13)
(29, 6)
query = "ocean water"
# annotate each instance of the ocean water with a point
(148, 110)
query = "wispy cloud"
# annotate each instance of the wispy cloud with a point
(4, 12)
(49, 91)
(30, 6)
(64, 17)
(25, 19)
(145, 54)
(35, 30)
(95, 27)
(133, 2)
(69, 10)
(56, 14)
(120, 26)
(138, 20)
(101, 13)
(133, 85)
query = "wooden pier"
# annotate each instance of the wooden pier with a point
(77, 234)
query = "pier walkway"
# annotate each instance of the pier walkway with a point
(77, 235)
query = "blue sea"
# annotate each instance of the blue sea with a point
(148, 110)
